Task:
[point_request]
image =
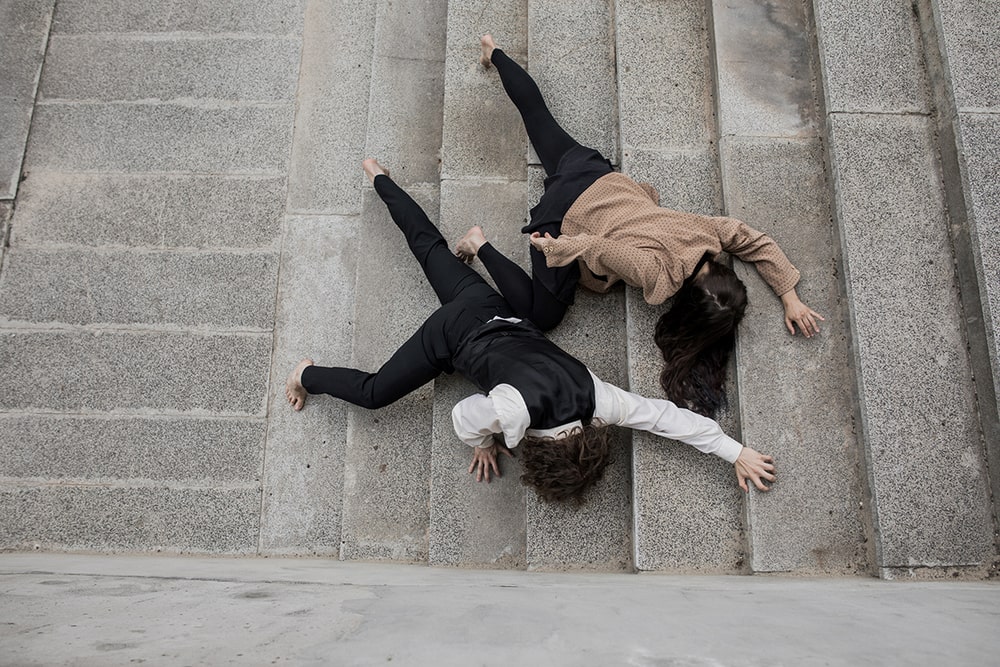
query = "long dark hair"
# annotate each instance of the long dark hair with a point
(697, 335)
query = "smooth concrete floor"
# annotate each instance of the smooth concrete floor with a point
(60, 609)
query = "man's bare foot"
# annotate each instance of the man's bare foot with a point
(294, 391)
(468, 246)
(373, 168)
(487, 44)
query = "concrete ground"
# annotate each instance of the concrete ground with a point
(101, 610)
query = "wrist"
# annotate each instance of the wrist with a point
(789, 298)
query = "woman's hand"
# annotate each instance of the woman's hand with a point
(799, 314)
(484, 459)
(754, 466)
(541, 243)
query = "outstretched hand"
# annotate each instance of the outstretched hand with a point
(484, 459)
(800, 315)
(754, 466)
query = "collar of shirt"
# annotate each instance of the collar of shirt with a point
(556, 433)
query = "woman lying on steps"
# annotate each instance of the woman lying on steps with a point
(594, 226)
(536, 395)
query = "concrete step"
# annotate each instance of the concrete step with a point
(303, 480)
(332, 114)
(915, 386)
(386, 470)
(688, 514)
(794, 393)
(483, 183)
(24, 32)
(217, 211)
(207, 290)
(571, 56)
(961, 41)
(138, 292)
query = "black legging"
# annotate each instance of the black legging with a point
(528, 297)
(467, 303)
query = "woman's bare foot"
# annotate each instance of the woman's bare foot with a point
(468, 246)
(373, 168)
(294, 391)
(487, 44)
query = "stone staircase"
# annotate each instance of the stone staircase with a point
(193, 220)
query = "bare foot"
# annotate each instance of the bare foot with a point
(487, 44)
(468, 246)
(373, 168)
(294, 391)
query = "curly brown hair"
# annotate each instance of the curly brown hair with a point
(563, 469)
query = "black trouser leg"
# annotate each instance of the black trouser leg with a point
(447, 274)
(549, 139)
(406, 371)
(527, 297)
(467, 302)
(426, 354)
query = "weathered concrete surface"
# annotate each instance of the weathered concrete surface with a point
(152, 517)
(970, 42)
(915, 382)
(965, 33)
(773, 163)
(283, 17)
(126, 372)
(160, 137)
(979, 147)
(763, 64)
(796, 398)
(664, 75)
(483, 183)
(571, 55)
(151, 211)
(687, 513)
(597, 535)
(142, 67)
(214, 291)
(92, 449)
(92, 611)
(24, 31)
(482, 134)
(332, 112)
(918, 407)
(407, 92)
(474, 525)
(870, 55)
(303, 478)
(138, 296)
(387, 456)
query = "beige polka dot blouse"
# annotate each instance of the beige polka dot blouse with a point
(617, 229)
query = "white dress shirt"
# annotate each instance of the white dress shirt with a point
(503, 410)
